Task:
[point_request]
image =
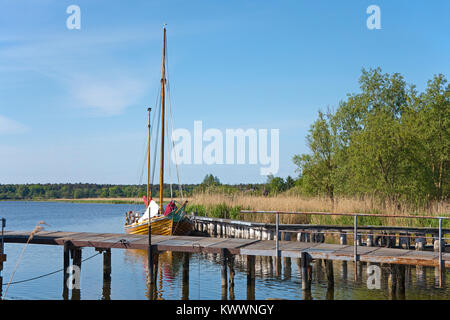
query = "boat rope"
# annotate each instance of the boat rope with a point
(168, 160)
(180, 187)
(50, 273)
(35, 231)
(156, 142)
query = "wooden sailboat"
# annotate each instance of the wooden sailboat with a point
(172, 220)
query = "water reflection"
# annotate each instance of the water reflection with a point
(260, 280)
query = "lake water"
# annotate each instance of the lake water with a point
(129, 267)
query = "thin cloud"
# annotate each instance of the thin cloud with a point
(107, 98)
(9, 126)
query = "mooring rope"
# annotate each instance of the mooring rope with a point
(50, 273)
(35, 231)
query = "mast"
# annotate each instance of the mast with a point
(148, 159)
(163, 98)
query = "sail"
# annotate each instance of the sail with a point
(152, 210)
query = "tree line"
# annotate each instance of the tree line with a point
(90, 190)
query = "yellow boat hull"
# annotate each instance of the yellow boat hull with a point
(161, 226)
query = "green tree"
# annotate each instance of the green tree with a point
(317, 168)
(210, 181)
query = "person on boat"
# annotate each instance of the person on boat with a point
(170, 207)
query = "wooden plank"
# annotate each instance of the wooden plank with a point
(386, 252)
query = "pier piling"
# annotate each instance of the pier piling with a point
(66, 262)
(223, 260)
(185, 277)
(250, 277)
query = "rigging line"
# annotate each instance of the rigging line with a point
(168, 160)
(140, 178)
(171, 119)
(156, 140)
(169, 102)
(180, 187)
(151, 133)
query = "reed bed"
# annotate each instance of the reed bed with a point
(229, 206)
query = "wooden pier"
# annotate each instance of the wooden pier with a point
(305, 250)
(251, 247)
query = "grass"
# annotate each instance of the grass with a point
(229, 206)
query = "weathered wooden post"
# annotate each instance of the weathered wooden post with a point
(343, 238)
(369, 240)
(185, 277)
(330, 279)
(66, 262)
(401, 281)
(420, 242)
(250, 277)
(355, 245)
(76, 261)
(344, 270)
(306, 271)
(404, 241)
(392, 281)
(420, 276)
(106, 290)
(223, 259)
(441, 245)
(330, 274)
(107, 265)
(230, 260)
(287, 268)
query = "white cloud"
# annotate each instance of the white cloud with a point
(9, 126)
(107, 97)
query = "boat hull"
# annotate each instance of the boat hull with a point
(161, 226)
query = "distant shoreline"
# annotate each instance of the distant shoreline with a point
(87, 200)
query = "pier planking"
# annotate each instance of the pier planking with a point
(250, 247)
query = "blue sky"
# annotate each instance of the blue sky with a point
(73, 102)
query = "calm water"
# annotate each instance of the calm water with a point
(129, 276)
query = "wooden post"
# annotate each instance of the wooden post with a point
(250, 277)
(343, 238)
(66, 262)
(185, 277)
(76, 261)
(106, 291)
(420, 276)
(330, 279)
(223, 258)
(306, 271)
(404, 241)
(155, 266)
(277, 246)
(287, 268)
(420, 242)
(369, 240)
(230, 261)
(344, 270)
(330, 274)
(392, 281)
(107, 265)
(401, 282)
